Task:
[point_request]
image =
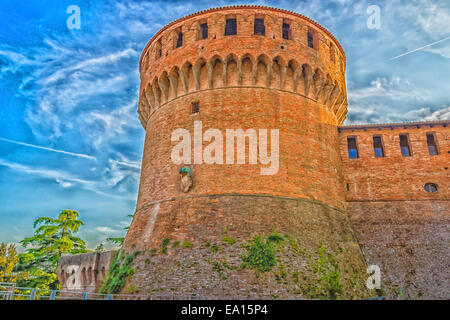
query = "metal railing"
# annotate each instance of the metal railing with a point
(9, 291)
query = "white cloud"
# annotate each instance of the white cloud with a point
(393, 88)
(106, 230)
(88, 64)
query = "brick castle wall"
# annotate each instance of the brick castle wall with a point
(401, 227)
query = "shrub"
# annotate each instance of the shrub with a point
(164, 244)
(118, 272)
(260, 255)
(275, 237)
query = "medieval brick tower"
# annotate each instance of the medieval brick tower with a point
(242, 67)
(252, 188)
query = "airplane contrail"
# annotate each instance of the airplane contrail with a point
(80, 155)
(418, 49)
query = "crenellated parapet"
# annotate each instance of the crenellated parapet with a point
(287, 52)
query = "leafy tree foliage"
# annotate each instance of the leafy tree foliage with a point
(52, 238)
(8, 259)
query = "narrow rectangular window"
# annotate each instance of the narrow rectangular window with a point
(352, 148)
(158, 49)
(332, 53)
(180, 39)
(204, 30)
(404, 145)
(310, 39)
(231, 27)
(432, 146)
(259, 28)
(286, 31)
(195, 107)
(378, 147)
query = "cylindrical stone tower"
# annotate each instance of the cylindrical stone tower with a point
(249, 68)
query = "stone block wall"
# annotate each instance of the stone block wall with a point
(401, 227)
(84, 272)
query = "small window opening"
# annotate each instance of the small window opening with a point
(332, 53)
(180, 39)
(348, 187)
(378, 147)
(310, 39)
(286, 30)
(231, 27)
(159, 49)
(431, 187)
(432, 146)
(404, 146)
(195, 107)
(352, 148)
(204, 31)
(259, 27)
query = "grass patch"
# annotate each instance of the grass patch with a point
(164, 245)
(214, 248)
(175, 244)
(228, 240)
(187, 244)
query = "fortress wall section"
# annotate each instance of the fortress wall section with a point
(402, 228)
(83, 272)
(200, 272)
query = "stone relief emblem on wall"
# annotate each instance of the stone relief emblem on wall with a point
(185, 179)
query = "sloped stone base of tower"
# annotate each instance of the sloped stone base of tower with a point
(316, 257)
(408, 240)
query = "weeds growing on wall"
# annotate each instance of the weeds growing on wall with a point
(326, 269)
(118, 272)
(260, 255)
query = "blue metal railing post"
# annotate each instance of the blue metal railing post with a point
(32, 294)
(53, 295)
(84, 296)
(109, 297)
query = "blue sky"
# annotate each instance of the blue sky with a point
(74, 94)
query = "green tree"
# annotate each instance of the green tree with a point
(52, 238)
(8, 259)
(100, 248)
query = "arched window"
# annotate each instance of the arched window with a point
(431, 187)
(83, 277)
